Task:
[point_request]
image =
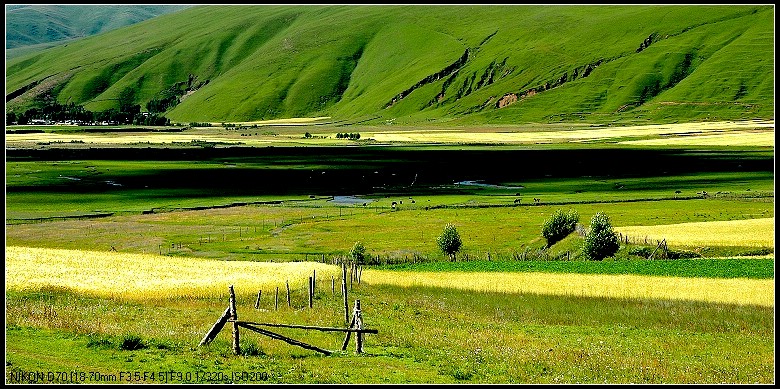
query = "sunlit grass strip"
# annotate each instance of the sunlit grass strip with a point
(128, 139)
(730, 291)
(763, 138)
(144, 276)
(734, 129)
(749, 232)
(288, 121)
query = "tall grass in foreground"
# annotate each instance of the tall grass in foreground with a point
(730, 291)
(426, 335)
(144, 276)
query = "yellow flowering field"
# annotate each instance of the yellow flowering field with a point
(130, 138)
(733, 138)
(729, 130)
(749, 232)
(717, 290)
(145, 276)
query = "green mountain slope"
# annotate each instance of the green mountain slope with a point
(415, 64)
(40, 25)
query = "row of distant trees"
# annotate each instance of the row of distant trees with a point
(53, 112)
(348, 135)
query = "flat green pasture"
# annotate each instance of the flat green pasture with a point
(35, 206)
(285, 232)
(761, 268)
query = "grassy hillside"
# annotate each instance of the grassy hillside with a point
(421, 64)
(37, 24)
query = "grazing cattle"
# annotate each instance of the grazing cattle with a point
(517, 201)
(393, 204)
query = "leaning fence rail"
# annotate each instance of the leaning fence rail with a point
(230, 315)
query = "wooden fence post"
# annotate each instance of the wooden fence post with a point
(234, 317)
(660, 245)
(311, 291)
(276, 299)
(332, 285)
(346, 337)
(344, 291)
(289, 305)
(313, 280)
(216, 327)
(359, 326)
(257, 302)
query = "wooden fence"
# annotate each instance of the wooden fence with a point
(353, 324)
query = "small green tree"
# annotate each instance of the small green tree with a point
(358, 253)
(559, 226)
(600, 241)
(449, 241)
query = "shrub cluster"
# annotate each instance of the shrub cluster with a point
(601, 241)
(559, 226)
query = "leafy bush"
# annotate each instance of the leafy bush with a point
(358, 253)
(449, 241)
(559, 226)
(601, 241)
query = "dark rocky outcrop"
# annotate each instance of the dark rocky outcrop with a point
(449, 70)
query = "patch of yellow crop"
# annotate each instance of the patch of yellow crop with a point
(129, 139)
(288, 121)
(729, 291)
(143, 276)
(746, 138)
(734, 129)
(749, 232)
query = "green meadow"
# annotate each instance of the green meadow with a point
(426, 335)
(657, 116)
